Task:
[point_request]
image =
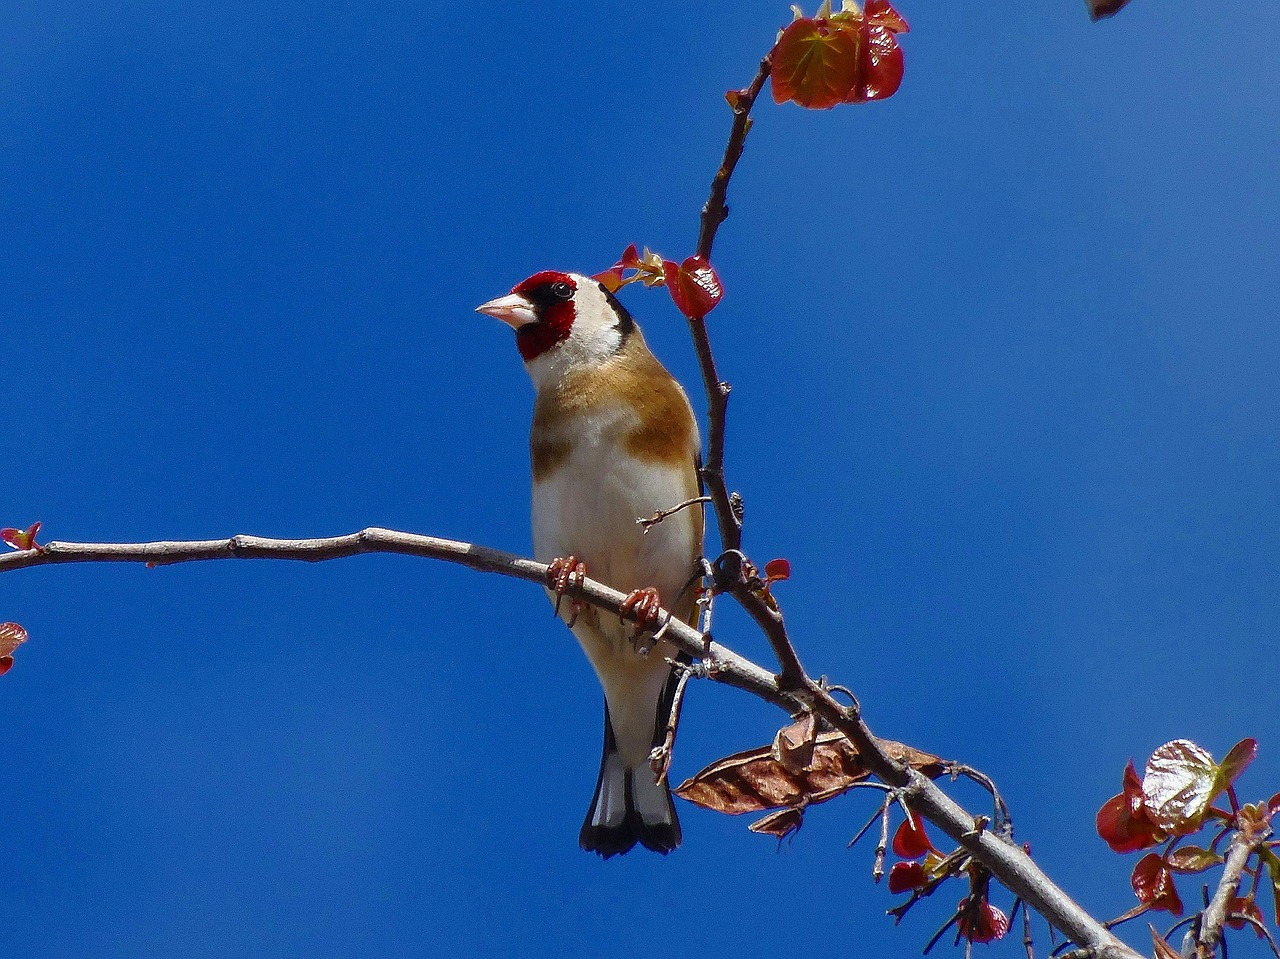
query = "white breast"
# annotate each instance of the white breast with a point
(589, 506)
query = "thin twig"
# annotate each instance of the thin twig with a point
(714, 212)
(660, 515)
(716, 209)
(1002, 818)
(1260, 929)
(877, 871)
(660, 758)
(874, 816)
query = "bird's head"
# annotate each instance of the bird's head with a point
(561, 320)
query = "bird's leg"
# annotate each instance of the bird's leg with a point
(643, 605)
(561, 572)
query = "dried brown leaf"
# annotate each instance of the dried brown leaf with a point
(1163, 949)
(756, 780)
(793, 745)
(783, 823)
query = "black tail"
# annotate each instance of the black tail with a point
(629, 807)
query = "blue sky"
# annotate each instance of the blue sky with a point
(1004, 357)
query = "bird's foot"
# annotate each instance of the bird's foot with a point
(643, 605)
(562, 572)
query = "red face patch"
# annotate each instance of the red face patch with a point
(551, 294)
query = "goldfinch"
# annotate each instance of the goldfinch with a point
(613, 440)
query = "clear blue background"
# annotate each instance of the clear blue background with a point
(1004, 352)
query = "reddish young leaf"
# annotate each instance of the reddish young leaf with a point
(11, 637)
(1153, 885)
(1192, 859)
(880, 13)
(1098, 9)
(1180, 783)
(910, 841)
(1235, 762)
(1273, 805)
(694, 286)
(1123, 821)
(612, 277)
(848, 57)
(905, 876)
(879, 63)
(21, 539)
(815, 64)
(776, 570)
(1240, 906)
(979, 921)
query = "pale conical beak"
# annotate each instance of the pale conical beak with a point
(512, 309)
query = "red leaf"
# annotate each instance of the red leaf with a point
(1098, 9)
(980, 921)
(1153, 885)
(1238, 906)
(815, 64)
(879, 61)
(11, 637)
(1180, 783)
(1273, 805)
(850, 58)
(880, 13)
(777, 570)
(21, 539)
(906, 875)
(1123, 821)
(612, 277)
(694, 286)
(910, 841)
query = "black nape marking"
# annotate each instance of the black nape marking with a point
(625, 324)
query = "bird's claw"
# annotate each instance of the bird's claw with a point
(643, 605)
(562, 572)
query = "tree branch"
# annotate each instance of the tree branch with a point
(1007, 863)
(1242, 846)
(724, 664)
(714, 212)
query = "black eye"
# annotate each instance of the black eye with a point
(561, 290)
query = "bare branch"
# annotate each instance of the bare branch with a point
(1242, 846)
(728, 511)
(1008, 863)
(730, 668)
(716, 210)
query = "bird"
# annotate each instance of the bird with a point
(613, 440)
